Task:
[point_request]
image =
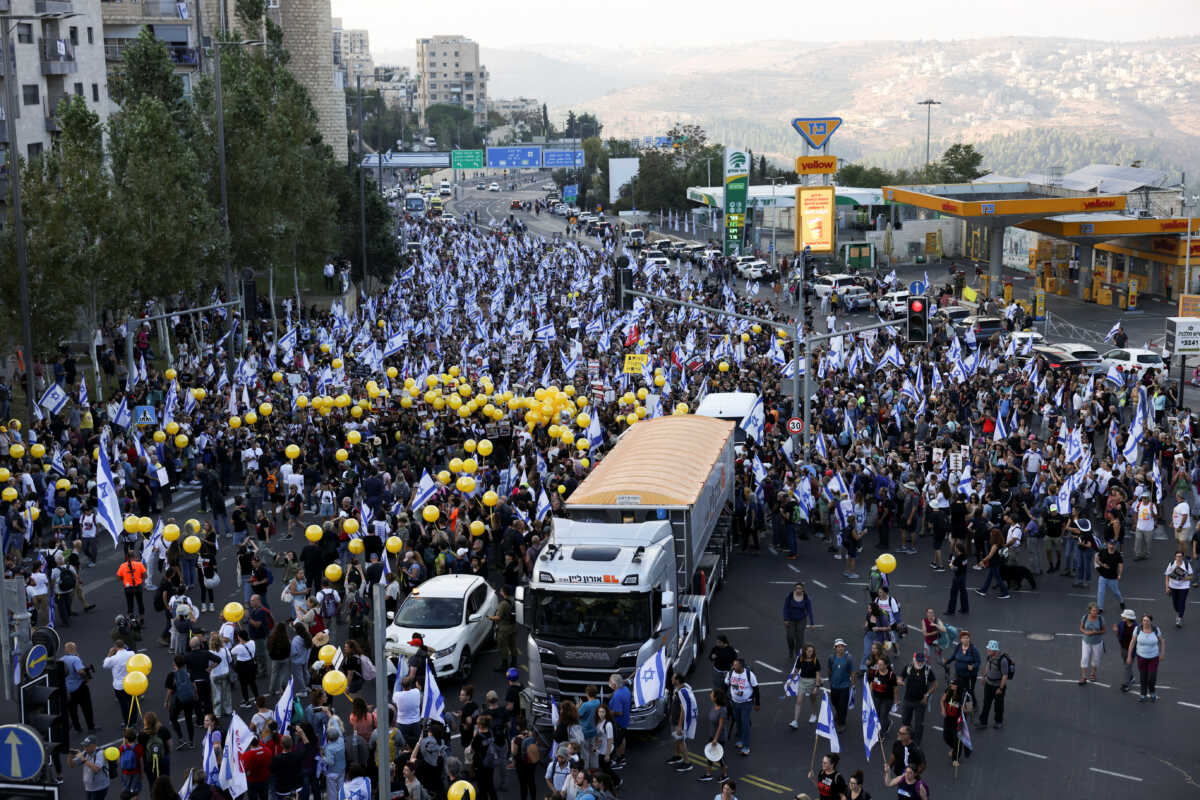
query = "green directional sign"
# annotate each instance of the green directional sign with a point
(466, 159)
(737, 187)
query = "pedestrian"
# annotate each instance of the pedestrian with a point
(882, 680)
(118, 656)
(506, 629)
(742, 685)
(65, 580)
(1177, 579)
(965, 659)
(840, 669)
(619, 705)
(994, 561)
(79, 696)
(906, 754)
(956, 703)
(244, 667)
(1148, 645)
(797, 615)
(719, 720)
(721, 657)
(130, 761)
(959, 561)
(806, 672)
(1110, 566)
(996, 670)
(132, 573)
(829, 782)
(908, 784)
(1146, 513)
(155, 739)
(918, 682)
(1181, 514)
(1125, 630)
(95, 768)
(687, 712)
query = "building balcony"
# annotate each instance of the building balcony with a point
(58, 57)
(50, 111)
(180, 55)
(51, 6)
(144, 9)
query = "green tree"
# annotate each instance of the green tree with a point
(382, 253)
(452, 125)
(690, 138)
(146, 70)
(960, 163)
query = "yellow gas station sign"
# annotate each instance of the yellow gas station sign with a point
(816, 165)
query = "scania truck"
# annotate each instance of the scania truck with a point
(632, 565)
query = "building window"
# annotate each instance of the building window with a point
(91, 36)
(79, 89)
(74, 36)
(35, 150)
(25, 32)
(30, 94)
(95, 93)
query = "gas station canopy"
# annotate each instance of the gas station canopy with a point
(1005, 203)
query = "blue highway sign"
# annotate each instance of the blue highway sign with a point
(22, 753)
(524, 156)
(562, 158)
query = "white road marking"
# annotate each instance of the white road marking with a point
(768, 666)
(796, 569)
(1127, 597)
(1076, 635)
(818, 583)
(787, 583)
(1027, 753)
(734, 628)
(915, 628)
(911, 585)
(1072, 680)
(1116, 774)
(1189, 705)
(1002, 630)
(849, 599)
(1051, 671)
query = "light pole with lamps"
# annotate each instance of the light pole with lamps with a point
(1188, 202)
(774, 219)
(929, 104)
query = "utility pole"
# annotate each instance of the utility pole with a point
(929, 104)
(379, 634)
(362, 184)
(774, 220)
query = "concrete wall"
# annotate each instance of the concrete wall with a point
(914, 231)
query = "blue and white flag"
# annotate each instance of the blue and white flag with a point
(1115, 376)
(1108, 337)
(964, 733)
(651, 681)
(826, 726)
(433, 705)
(367, 515)
(287, 342)
(123, 416)
(108, 509)
(211, 764)
(754, 421)
(1000, 433)
(237, 741)
(870, 721)
(185, 791)
(791, 686)
(543, 506)
(83, 393)
(691, 710)
(53, 399)
(283, 708)
(426, 489)
(56, 462)
(356, 788)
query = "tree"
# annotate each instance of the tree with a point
(452, 125)
(589, 125)
(960, 163)
(690, 138)
(382, 253)
(146, 70)
(572, 129)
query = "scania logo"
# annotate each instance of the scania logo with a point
(586, 655)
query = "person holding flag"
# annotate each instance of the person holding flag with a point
(687, 713)
(956, 707)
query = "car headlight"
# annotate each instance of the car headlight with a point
(445, 652)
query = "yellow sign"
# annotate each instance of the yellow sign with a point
(1133, 294)
(635, 363)
(969, 294)
(814, 214)
(1039, 304)
(1189, 305)
(930, 243)
(816, 165)
(816, 130)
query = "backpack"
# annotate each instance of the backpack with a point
(530, 753)
(329, 607)
(66, 580)
(156, 752)
(270, 575)
(1012, 665)
(494, 756)
(129, 761)
(185, 690)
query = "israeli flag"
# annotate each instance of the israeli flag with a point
(1064, 498)
(283, 708)
(595, 435)
(760, 471)
(83, 393)
(108, 509)
(367, 515)
(395, 343)
(433, 705)
(821, 451)
(189, 402)
(545, 333)
(826, 727)
(543, 506)
(237, 741)
(753, 422)
(426, 489)
(287, 342)
(1115, 376)
(185, 791)
(651, 682)
(53, 399)
(964, 733)
(1108, 337)
(553, 711)
(1001, 433)
(56, 462)
(169, 403)
(691, 710)
(791, 686)
(211, 764)
(870, 721)
(964, 481)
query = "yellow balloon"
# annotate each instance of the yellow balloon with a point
(723, 366)
(350, 525)
(17, 451)
(356, 546)
(171, 532)
(181, 441)
(170, 374)
(469, 445)
(465, 484)
(461, 790)
(490, 498)
(302, 401)
(250, 418)
(681, 408)
(111, 754)
(406, 402)
(334, 573)
(745, 337)
(455, 465)
(485, 445)
(659, 380)
(562, 489)
(430, 513)
(334, 683)
(145, 524)
(341, 454)
(62, 483)
(34, 513)
(342, 400)
(886, 562)
(581, 401)
(235, 422)
(200, 393)
(131, 524)
(631, 418)
(470, 465)
(336, 363)
(353, 437)
(233, 612)
(313, 533)
(640, 412)
(191, 545)
(135, 684)
(172, 427)
(568, 438)
(4, 474)
(265, 409)
(584, 462)
(477, 528)
(444, 477)
(9, 494)
(356, 412)
(159, 437)
(327, 653)
(139, 662)
(193, 523)
(292, 451)
(392, 372)
(582, 444)
(641, 393)
(277, 376)
(394, 544)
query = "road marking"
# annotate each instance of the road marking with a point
(734, 628)
(1051, 671)
(818, 583)
(768, 783)
(911, 585)
(1027, 753)
(788, 583)
(1127, 597)
(796, 570)
(1116, 774)
(849, 599)
(768, 666)
(1072, 680)
(1002, 630)
(1189, 705)
(915, 628)
(1076, 635)
(751, 780)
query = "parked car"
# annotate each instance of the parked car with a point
(481, 186)
(1084, 352)
(1056, 359)
(514, 205)
(1133, 359)
(954, 315)
(893, 303)
(663, 245)
(1020, 338)
(451, 613)
(655, 256)
(493, 187)
(825, 285)
(984, 327)
(854, 298)
(597, 226)
(635, 238)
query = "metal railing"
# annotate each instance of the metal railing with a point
(56, 50)
(114, 50)
(52, 7)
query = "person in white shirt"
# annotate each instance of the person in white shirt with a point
(408, 709)
(1181, 521)
(87, 532)
(1145, 512)
(1177, 579)
(222, 689)
(118, 656)
(743, 692)
(37, 588)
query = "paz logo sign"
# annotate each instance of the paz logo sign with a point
(816, 130)
(736, 163)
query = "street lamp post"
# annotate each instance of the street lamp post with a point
(929, 104)
(774, 219)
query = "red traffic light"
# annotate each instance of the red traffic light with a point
(916, 306)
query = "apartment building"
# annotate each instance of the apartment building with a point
(449, 73)
(173, 22)
(352, 53)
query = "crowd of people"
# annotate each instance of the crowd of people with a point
(438, 426)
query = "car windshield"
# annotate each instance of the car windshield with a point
(414, 204)
(430, 612)
(608, 618)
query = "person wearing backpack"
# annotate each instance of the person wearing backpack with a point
(181, 699)
(482, 745)
(525, 756)
(999, 669)
(130, 763)
(64, 579)
(155, 740)
(329, 606)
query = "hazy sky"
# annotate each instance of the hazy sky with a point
(395, 24)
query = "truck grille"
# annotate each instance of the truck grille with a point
(568, 676)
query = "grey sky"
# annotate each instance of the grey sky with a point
(394, 25)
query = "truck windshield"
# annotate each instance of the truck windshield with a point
(597, 617)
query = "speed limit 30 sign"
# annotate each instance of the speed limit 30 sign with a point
(795, 425)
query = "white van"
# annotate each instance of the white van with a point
(430, 141)
(735, 406)
(444, 189)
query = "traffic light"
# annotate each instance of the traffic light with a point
(622, 280)
(918, 320)
(44, 707)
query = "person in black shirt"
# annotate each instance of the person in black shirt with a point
(722, 657)
(917, 681)
(1110, 565)
(200, 661)
(287, 768)
(958, 585)
(906, 753)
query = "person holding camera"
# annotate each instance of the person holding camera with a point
(95, 769)
(79, 697)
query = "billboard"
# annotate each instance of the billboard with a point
(562, 158)
(510, 157)
(466, 159)
(620, 172)
(737, 187)
(814, 218)
(816, 165)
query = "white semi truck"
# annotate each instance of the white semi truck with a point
(633, 565)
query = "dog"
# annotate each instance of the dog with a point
(1014, 575)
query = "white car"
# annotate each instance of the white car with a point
(451, 614)
(1021, 336)
(493, 187)
(825, 284)
(752, 270)
(893, 303)
(656, 257)
(1133, 359)
(1084, 352)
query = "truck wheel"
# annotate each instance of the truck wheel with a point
(465, 662)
